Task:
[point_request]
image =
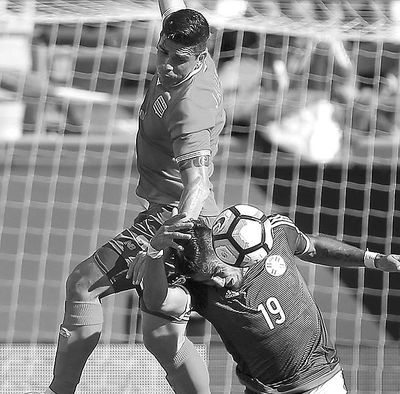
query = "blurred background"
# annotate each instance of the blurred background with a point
(311, 90)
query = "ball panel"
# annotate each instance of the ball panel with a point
(225, 251)
(250, 211)
(223, 222)
(248, 233)
(254, 257)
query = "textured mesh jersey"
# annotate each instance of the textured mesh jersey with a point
(271, 326)
(175, 124)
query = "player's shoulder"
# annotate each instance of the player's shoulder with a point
(298, 241)
(200, 295)
(206, 79)
(277, 220)
(201, 92)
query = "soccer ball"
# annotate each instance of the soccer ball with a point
(241, 235)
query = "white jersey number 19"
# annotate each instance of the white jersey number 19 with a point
(270, 309)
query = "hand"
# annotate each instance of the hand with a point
(174, 228)
(388, 263)
(136, 268)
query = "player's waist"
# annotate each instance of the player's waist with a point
(299, 387)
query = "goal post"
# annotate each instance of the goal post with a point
(311, 93)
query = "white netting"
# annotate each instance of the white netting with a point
(312, 96)
(369, 19)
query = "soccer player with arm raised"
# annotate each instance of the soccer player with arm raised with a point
(180, 121)
(264, 313)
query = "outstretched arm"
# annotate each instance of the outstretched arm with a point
(168, 6)
(328, 251)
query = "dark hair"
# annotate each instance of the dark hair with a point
(198, 254)
(187, 27)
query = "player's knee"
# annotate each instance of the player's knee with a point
(153, 342)
(161, 344)
(79, 282)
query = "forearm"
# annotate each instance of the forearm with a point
(193, 197)
(158, 295)
(168, 6)
(331, 252)
(155, 285)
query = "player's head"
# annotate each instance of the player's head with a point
(199, 261)
(187, 27)
(182, 45)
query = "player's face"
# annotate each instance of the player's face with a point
(175, 61)
(223, 275)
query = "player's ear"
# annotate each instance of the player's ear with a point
(201, 58)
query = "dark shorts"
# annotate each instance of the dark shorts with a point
(129, 242)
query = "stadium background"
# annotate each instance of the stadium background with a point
(312, 133)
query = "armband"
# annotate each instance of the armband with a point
(154, 253)
(369, 259)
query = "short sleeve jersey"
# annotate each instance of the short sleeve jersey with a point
(177, 123)
(272, 326)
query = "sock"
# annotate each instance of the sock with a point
(79, 335)
(187, 373)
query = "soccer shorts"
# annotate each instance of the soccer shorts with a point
(129, 242)
(335, 385)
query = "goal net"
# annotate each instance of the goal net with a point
(311, 91)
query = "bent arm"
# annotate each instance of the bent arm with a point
(157, 295)
(331, 252)
(169, 6)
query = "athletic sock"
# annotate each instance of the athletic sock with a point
(78, 336)
(187, 372)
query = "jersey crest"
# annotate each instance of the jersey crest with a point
(275, 265)
(160, 106)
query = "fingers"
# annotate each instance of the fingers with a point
(180, 226)
(136, 267)
(389, 263)
(139, 269)
(167, 240)
(176, 246)
(178, 235)
(177, 218)
(396, 261)
(130, 264)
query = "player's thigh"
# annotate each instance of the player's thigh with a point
(114, 257)
(162, 334)
(89, 279)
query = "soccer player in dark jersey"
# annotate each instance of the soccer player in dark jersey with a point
(264, 313)
(181, 118)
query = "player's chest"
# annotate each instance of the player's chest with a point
(153, 113)
(274, 278)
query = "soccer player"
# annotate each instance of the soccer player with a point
(180, 121)
(264, 313)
